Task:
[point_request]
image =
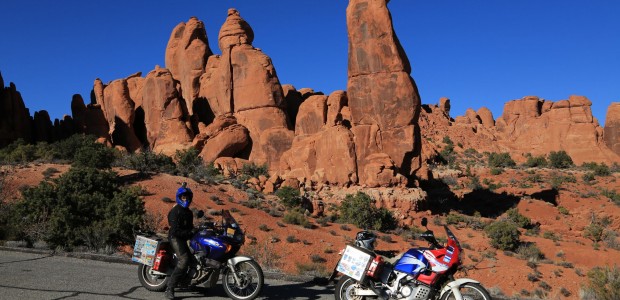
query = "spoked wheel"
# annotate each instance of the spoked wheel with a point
(469, 291)
(151, 282)
(250, 282)
(345, 289)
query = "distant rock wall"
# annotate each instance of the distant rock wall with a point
(611, 134)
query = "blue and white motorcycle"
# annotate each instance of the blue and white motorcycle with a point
(215, 247)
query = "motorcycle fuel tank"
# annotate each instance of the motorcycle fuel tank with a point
(211, 245)
(412, 262)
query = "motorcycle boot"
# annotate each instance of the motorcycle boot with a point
(169, 294)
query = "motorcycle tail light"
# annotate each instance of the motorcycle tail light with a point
(158, 260)
(374, 266)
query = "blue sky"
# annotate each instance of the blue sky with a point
(477, 53)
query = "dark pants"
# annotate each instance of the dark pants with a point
(183, 261)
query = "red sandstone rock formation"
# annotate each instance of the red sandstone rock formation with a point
(612, 127)
(118, 109)
(165, 114)
(243, 82)
(383, 98)
(186, 57)
(15, 121)
(536, 126)
(89, 119)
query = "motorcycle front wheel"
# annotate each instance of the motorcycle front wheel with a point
(345, 289)
(151, 282)
(250, 282)
(469, 291)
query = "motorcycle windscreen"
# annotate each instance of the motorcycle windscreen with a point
(412, 262)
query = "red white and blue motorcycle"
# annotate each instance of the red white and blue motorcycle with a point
(419, 274)
(215, 247)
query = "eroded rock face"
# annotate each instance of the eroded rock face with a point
(382, 97)
(118, 109)
(612, 127)
(15, 121)
(166, 115)
(186, 56)
(486, 117)
(327, 156)
(243, 82)
(539, 127)
(89, 119)
(226, 143)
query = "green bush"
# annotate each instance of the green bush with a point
(536, 161)
(504, 235)
(189, 164)
(560, 160)
(297, 218)
(530, 252)
(83, 207)
(148, 162)
(360, 210)
(94, 155)
(519, 219)
(500, 160)
(497, 171)
(254, 170)
(603, 283)
(596, 230)
(597, 169)
(289, 196)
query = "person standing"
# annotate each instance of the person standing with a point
(181, 223)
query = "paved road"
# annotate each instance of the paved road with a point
(36, 276)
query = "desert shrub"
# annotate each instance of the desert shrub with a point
(500, 160)
(189, 164)
(297, 218)
(187, 161)
(315, 258)
(596, 230)
(454, 218)
(530, 252)
(557, 180)
(263, 227)
(289, 197)
(291, 239)
(497, 171)
(603, 283)
(598, 169)
(83, 207)
(474, 183)
(254, 170)
(588, 177)
(519, 219)
(612, 195)
(94, 155)
(560, 160)
(535, 161)
(147, 162)
(49, 172)
(360, 210)
(504, 235)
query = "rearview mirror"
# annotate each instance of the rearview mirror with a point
(200, 214)
(424, 222)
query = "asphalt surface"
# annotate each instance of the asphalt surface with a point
(46, 276)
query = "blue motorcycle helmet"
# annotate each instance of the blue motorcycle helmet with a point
(184, 196)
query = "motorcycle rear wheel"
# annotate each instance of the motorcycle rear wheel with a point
(154, 283)
(345, 289)
(251, 277)
(469, 291)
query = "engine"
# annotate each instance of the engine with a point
(414, 292)
(404, 286)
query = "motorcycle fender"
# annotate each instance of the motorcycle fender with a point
(237, 259)
(454, 286)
